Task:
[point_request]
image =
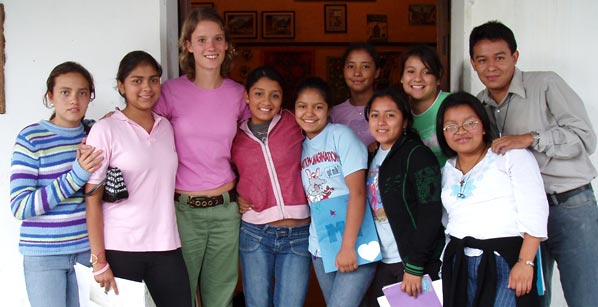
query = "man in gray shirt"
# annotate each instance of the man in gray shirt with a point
(539, 111)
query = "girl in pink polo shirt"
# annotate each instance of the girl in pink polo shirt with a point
(137, 238)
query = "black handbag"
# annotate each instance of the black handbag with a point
(115, 189)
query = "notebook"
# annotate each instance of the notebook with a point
(329, 216)
(397, 298)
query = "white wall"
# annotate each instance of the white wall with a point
(41, 34)
(557, 35)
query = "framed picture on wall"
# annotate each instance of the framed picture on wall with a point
(377, 28)
(278, 24)
(422, 14)
(241, 24)
(197, 5)
(335, 18)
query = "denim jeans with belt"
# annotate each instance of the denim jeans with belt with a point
(51, 280)
(573, 243)
(275, 263)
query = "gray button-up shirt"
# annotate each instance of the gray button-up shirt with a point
(543, 102)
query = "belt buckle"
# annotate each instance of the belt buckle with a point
(201, 202)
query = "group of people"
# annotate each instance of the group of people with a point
(459, 187)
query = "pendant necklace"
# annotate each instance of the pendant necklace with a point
(465, 178)
(504, 121)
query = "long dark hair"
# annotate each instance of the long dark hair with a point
(133, 59)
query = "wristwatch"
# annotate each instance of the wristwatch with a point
(536, 137)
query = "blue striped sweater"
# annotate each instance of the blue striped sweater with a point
(46, 192)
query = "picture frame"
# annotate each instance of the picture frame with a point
(241, 24)
(377, 25)
(278, 24)
(197, 5)
(422, 14)
(335, 18)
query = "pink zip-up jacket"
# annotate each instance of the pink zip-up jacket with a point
(270, 172)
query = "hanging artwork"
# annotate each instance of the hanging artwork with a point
(335, 18)
(422, 14)
(241, 24)
(278, 24)
(377, 28)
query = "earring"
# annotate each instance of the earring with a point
(51, 105)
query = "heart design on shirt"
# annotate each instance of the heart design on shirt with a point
(369, 251)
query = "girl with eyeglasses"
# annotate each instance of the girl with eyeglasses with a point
(496, 212)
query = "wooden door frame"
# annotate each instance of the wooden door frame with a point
(443, 39)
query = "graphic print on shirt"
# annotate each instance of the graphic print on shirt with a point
(373, 194)
(466, 185)
(318, 188)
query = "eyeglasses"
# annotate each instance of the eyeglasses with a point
(467, 126)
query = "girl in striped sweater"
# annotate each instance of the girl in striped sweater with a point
(49, 168)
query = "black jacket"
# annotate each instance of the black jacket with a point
(410, 184)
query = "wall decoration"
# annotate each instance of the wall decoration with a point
(294, 65)
(335, 18)
(377, 28)
(241, 24)
(197, 5)
(278, 24)
(422, 14)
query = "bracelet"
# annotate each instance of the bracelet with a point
(102, 270)
(527, 262)
(93, 259)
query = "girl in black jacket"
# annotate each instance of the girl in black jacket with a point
(404, 184)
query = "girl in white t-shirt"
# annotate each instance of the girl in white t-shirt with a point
(496, 212)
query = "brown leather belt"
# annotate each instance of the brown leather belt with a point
(204, 201)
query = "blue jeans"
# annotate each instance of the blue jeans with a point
(279, 255)
(505, 297)
(51, 280)
(572, 235)
(344, 289)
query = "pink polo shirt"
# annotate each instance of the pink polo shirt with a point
(205, 123)
(146, 220)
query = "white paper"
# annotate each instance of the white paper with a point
(131, 293)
